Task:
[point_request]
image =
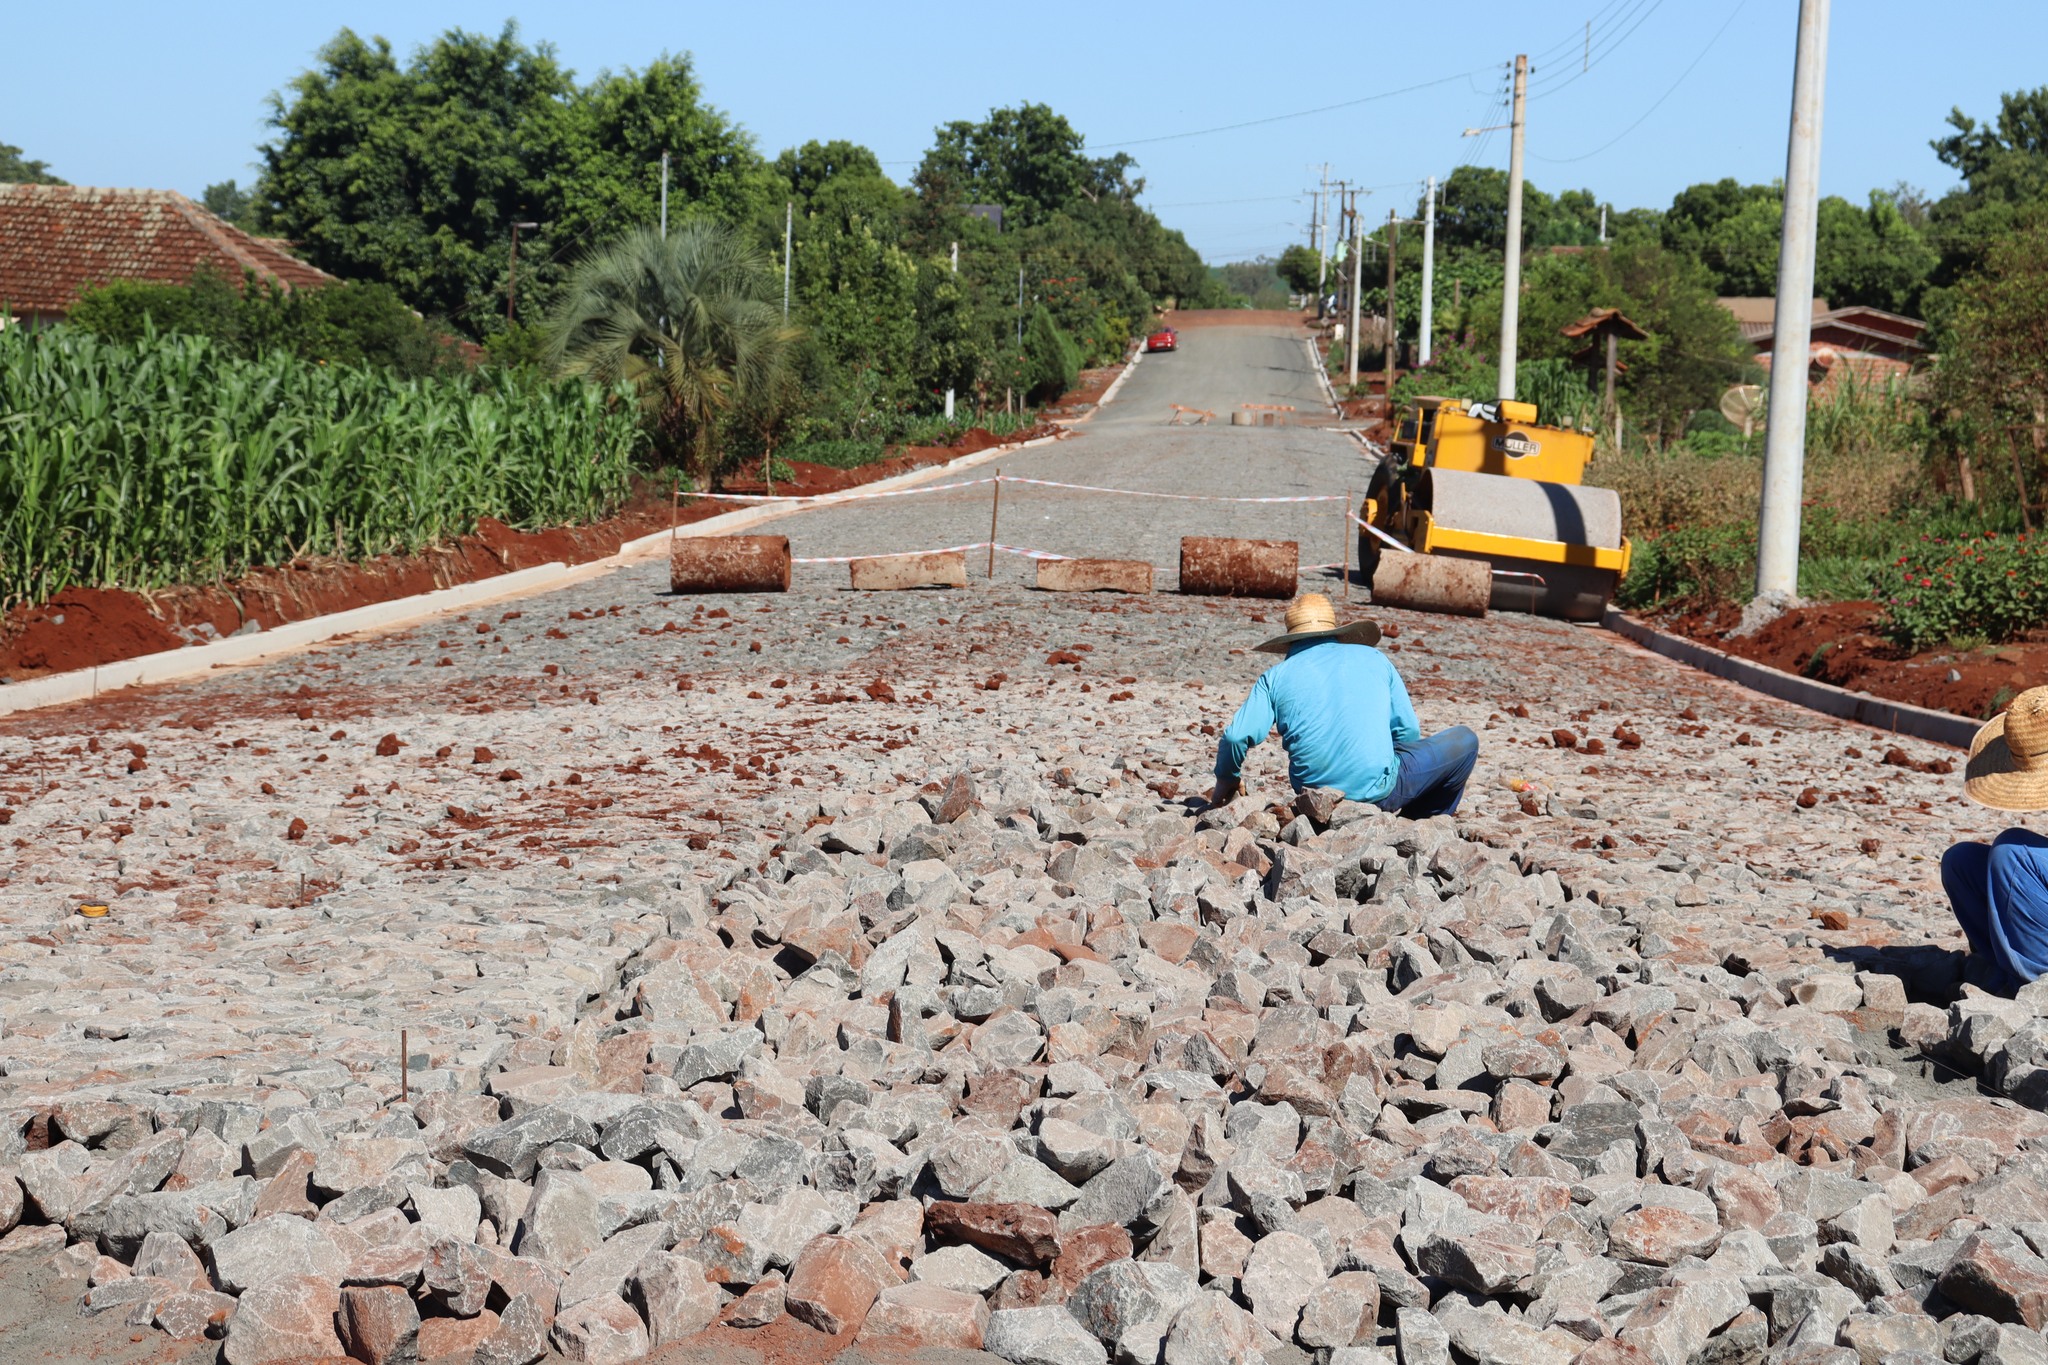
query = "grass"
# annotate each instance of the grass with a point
(173, 461)
(905, 431)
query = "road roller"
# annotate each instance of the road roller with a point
(1487, 482)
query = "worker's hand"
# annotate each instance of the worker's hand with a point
(1223, 792)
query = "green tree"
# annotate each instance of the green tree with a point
(227, 201)
(17, 170)
(1694, 350)
(686, 319)
(1994, 370)
(414, 174)
(1300, 267)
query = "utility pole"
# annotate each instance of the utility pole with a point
(1357, 274)
(512, 277)
(1511, 282)
(788, 223)
(1422, 342)
(1777, 549)
(1020, 307)
(1323, 240)
(949, 387)
(1393, 328)
(664, 196)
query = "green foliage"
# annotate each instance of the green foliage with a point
(228, 202)
(686, 321)
(1872, 255)
(1988, 587)
(1053, 361)
(172, 460)
(18, 170)
(836, 454)
(1260, 283)
(1694, 349)
(413, 175)
(347, 324)
(1302, 268)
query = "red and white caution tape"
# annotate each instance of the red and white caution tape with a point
(1382, 535)
(855, 495)
(1177, 497)
(850, 495)
(944, 550)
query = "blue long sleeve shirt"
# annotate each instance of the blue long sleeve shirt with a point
(1340, 709)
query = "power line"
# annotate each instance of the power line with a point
(1603, 49)
(1299, 113)
(1702, 56)
(1212, 203)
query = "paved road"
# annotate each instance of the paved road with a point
(1128, 444)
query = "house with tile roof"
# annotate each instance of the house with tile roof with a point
(57, 241)
(1870, 344)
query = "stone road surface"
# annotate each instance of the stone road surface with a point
(863, 964)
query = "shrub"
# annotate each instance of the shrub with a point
(1052, 358)
(1990, 586)
(836, 454)
(344, 323)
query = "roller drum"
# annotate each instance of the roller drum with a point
(1530, 509)
(704, 564)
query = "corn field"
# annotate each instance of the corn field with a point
(170, 461)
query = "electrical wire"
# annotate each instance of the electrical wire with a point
(1668, 93)
(1299, 113)
(1601, 50)
(1212, 203)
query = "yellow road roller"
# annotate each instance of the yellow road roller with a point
(1486, 484)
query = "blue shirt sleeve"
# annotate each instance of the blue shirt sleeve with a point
(1407, 729)
(1250, 725)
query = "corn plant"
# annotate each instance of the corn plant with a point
(171, 460)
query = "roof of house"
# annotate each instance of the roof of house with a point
(1604, 320)
(56, 241)
(1755, 313)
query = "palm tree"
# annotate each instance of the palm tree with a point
(686, 319)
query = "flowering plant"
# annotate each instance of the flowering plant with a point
(1991, 586)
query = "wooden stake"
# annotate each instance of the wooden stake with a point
(404, 1069)
(1344, 531)
(995, 505)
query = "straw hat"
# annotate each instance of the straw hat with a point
(2008, 767)
(1311, 617)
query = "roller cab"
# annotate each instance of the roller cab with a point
(1489, 482)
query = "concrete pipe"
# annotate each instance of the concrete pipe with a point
(1212, 566)
(729, 564)
(1242, 419)
(1454, 587)
(1094, 575)
(888, 573)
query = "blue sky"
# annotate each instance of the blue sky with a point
(173, 96)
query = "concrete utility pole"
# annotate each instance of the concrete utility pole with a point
(788, 223)
(1323, 241)
(1422, 342)
(1393, 329)
(1511, 282)
(949, 387)
(1357, 273)
(1777, 548)
(664, 196)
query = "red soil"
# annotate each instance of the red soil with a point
(81, 627)
(1839, 643)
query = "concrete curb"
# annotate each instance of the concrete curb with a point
(1939, 727)
(1109, 394)
(193, 661)
(1315, 362)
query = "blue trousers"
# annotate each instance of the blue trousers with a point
(1432, 773)
(1999, 892)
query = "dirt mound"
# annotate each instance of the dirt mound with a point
(1840, 643)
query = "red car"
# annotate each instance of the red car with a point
(1165, 339)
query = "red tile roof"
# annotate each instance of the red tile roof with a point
(58, 240)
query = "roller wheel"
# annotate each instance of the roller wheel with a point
(1569, 592)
